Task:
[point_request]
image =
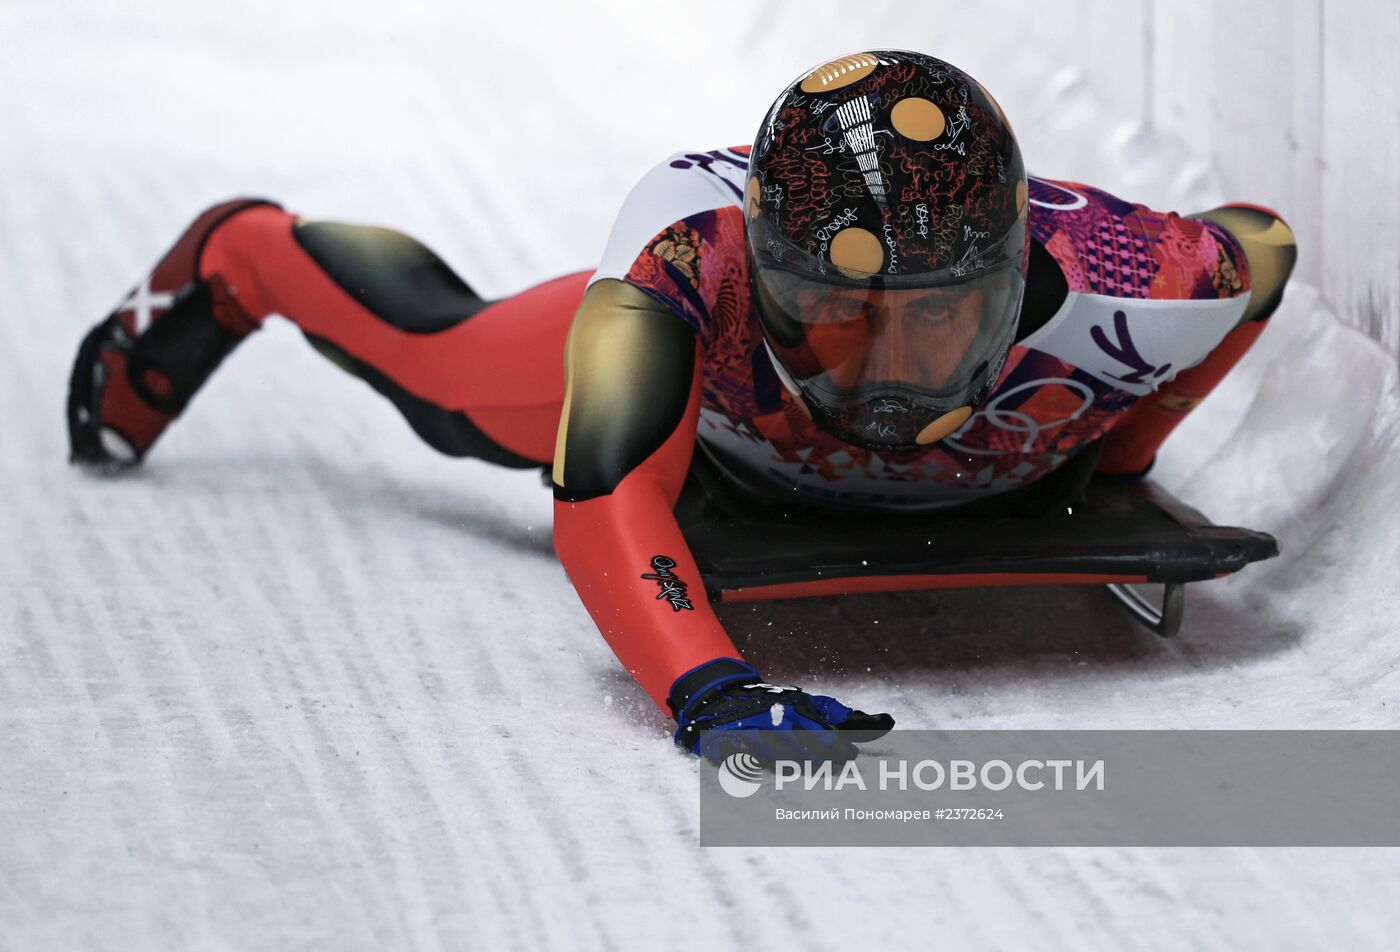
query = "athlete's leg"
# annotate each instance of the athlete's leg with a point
(1271, 251)
(473, 378)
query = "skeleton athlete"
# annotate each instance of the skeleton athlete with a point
(871, 309)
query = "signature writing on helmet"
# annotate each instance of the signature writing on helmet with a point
(887, 405)
(1126, 352)
(673, 589)
(889, 243)
(886, 431)
(970, 262)
(828, 147)
(825, 233)
(950, 136)
(921, 219)
(818, 106)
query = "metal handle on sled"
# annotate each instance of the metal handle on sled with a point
(1164, 621)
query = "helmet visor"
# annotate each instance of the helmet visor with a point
(936, 343)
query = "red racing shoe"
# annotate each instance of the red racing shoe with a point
(138, 369)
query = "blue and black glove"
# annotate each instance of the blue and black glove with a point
(720, 706)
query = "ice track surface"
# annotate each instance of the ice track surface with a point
(302, 683)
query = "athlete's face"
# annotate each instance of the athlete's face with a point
(865, 337)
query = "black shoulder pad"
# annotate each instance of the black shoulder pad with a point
(1269, 247)
(629, 366)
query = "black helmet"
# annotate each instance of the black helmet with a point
(885, 211)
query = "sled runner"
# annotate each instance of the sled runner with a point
(1115, 533)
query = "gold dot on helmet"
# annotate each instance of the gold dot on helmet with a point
(839, 72)
(918, 118)
(857, 253)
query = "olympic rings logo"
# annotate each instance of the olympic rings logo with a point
(1014, 421)
(1079, 201)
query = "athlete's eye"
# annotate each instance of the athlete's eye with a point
(935, 312)
(846, 309)
(940, 308)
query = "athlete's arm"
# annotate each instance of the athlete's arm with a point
(631, 409)
(1269, 249)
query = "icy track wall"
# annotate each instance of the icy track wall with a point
(1295, 103)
